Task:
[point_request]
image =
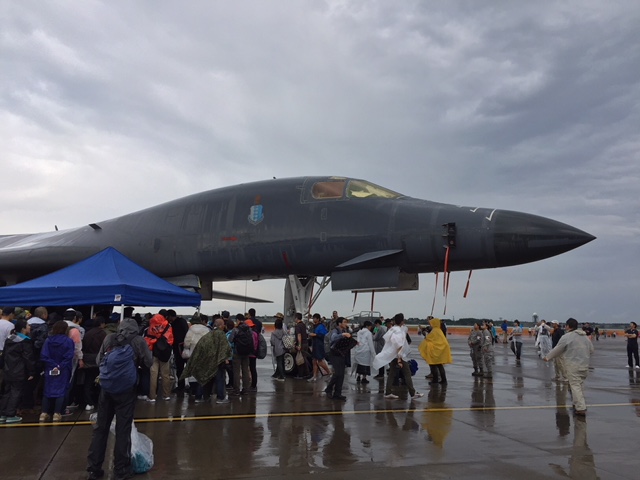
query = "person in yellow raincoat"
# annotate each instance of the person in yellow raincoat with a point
(436, 352)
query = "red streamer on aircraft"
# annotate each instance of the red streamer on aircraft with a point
(466, 290)
(435, 291)
(285, 257)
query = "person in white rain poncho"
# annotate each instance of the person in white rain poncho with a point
(396, 352)
(544, 338)
(575, 349)
(364, 353)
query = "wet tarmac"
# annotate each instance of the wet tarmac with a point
(519, 425)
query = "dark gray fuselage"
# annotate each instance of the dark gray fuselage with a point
(275, 228)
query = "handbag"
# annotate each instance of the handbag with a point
(343, 346)
(289, 341)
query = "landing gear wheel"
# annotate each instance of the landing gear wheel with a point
(289, 364)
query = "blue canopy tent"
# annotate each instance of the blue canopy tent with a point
(106, 278)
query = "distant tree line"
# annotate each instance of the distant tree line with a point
(469, 321)
(459, 322)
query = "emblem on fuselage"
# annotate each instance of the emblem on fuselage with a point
(256, 212)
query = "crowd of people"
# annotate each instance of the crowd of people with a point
(60, 354)
(41, 356)
(57, 362)
(53, 361)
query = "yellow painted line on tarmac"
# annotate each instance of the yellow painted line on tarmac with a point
(254, 416)
(47, 424)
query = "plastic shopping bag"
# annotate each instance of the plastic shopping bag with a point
(300, 358)
(141, 450)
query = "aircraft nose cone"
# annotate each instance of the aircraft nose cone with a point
(522, 238)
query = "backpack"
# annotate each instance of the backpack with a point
(243, 340)
(161, 349)
(262, 347)
(327, 340)
(39, 333)
(118, 372)
(413, 367)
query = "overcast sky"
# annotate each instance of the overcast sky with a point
(111, 107)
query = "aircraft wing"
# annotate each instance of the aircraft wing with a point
(236, 298)
(196, 284)
(367, 257)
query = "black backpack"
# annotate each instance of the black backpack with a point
(243, 340)
(262, 347)
(161, 349)
(39, 333)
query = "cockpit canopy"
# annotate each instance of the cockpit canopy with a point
(344, 188)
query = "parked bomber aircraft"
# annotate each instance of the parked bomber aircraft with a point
(358, 235)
